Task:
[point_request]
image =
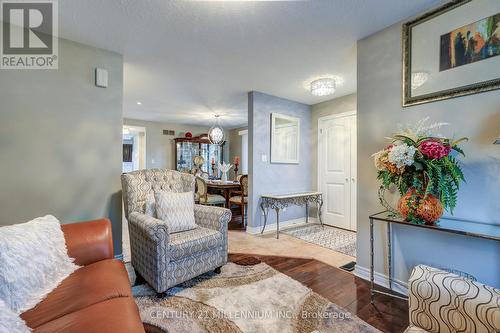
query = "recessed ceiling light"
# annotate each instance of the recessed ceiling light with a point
(139, 103)
(323, 87)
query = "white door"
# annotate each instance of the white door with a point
(337, 170)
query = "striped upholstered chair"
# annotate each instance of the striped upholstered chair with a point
(443, 302)
(166, 259)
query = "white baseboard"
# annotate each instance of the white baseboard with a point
(398, 286)
(270, 227)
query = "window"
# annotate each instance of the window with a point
(244, 152)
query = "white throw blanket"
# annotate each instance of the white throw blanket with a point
(11, 322)
(33, 261)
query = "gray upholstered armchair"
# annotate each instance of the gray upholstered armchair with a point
(163, 259)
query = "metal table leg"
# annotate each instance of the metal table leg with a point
(277, 223)
(320, 214)
(307, 212)
(372, 294)
(389, 254)
(264, 210)
(389, 262)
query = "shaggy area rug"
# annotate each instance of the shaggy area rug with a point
(251, 298)
(336, 239)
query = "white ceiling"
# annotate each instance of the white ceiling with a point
(188, 60)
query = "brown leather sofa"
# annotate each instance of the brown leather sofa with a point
(95, 298)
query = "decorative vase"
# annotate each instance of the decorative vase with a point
(224, 177)
(427, 208)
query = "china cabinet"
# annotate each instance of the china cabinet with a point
(188, 148)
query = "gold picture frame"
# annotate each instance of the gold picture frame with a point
(407, 98)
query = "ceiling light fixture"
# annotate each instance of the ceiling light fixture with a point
(323, 87)
(139, 103)
(216, 132)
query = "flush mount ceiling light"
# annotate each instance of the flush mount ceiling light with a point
(216, 132)
(139, 103)
(418, 79)
(323, 87)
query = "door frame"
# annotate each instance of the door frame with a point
(143, 147)
(320, 158)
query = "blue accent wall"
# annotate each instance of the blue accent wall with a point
(266, 177)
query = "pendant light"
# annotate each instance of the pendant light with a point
(216, 132)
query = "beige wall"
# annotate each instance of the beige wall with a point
(235, 146)
(160, 149)
(327, 108)
(60, 140)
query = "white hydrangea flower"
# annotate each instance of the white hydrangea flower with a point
(402, 155)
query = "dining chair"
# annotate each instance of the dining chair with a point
(206, 198)
(240, 197)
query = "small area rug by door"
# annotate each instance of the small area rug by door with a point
(340, 240)
(243, 298)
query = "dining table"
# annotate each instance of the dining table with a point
(224, 187)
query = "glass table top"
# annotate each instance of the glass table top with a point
(289, 195)
(463, 227)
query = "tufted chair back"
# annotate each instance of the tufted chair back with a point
(137, 185)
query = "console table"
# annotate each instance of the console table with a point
(280, 201)
(454, 226)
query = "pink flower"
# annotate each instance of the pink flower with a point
(434, 149)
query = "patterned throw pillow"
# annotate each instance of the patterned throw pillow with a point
(177, 209)
(150, 205)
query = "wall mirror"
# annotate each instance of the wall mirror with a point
(285, 139)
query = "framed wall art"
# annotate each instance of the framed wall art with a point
(452, 51)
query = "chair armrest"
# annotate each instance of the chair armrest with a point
(211, 217)
(437, 297)
(89, 242)
(153, 229)
(149, 242)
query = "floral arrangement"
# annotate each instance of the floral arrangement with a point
(424, 168)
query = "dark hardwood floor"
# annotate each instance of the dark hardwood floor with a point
(342, 288)
(236, 220)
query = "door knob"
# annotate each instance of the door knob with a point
(353, 179)
(347, 179)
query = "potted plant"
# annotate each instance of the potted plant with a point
(423, 166)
